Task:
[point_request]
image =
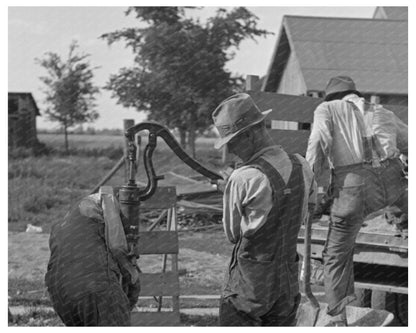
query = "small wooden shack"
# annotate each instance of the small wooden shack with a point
(22, 120)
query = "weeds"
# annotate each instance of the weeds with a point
(35, 316)
(41, 189)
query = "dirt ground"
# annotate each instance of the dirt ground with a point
(202, 269)
(28, 255)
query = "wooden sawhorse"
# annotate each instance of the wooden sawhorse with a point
(165, 242)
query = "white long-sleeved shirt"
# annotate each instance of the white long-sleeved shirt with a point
(339, 127)
(247, 197)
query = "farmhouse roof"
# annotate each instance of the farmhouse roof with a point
(26, 95)
(371, 51)
(391, 13)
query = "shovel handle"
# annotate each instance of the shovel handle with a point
(307, 258)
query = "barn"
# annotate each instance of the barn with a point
(22, 120)
(374, 52)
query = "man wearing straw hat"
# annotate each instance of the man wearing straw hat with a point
(362, 143)
(265, 201)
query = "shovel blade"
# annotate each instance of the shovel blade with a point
(310, 316)
(307, 315)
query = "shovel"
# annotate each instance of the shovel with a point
(308, 313)
(312, 314)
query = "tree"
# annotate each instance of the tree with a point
(179, 73)
(70, 92)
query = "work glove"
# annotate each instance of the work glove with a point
(132, 289)
(133, 293)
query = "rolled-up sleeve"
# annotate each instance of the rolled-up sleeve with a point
(402, 136)
(247, 203)
(320, 139)
(116, 238)
(310, 196)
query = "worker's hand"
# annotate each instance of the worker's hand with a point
(323, 206)
(133, 292)
(221, 183)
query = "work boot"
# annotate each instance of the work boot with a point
(338, 320)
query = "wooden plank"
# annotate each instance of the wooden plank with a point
(375, 256)
(157, 242)
(159, 284)
(195, 205)
(175, 267)
(164, 197)
(286, 107)
(127, 123)
(382, 287)
(155, 319)
(364, 239)
(292, 141)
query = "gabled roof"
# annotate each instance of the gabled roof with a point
(26, 95)
(391, 13)
(373, 52)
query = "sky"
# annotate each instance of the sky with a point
(32, 31)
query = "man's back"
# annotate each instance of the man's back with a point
(351, 131)
(79, 262)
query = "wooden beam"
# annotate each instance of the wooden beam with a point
(127, 123)
(159, 284)
(155, 319)
(164, 197)
(251, 80)
(157, 242)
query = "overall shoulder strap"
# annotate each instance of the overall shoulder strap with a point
(276, 181)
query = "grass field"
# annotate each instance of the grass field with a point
(41, 189)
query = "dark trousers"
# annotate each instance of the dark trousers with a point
(283, 313)
(358, 191)
(103, 308)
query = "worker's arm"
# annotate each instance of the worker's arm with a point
(311, 190)
(117, 244)
(402, 136)
(104, 208)
(320, 139)
(116, 238)
(247, 203)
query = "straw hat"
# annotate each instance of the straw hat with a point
(234, 115)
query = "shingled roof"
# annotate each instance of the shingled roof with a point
(372, 51)
(391, 13)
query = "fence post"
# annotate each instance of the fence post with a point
(251, 80)
(127, 123)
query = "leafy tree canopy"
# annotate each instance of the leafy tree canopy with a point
(179, 75)
(69, 89)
